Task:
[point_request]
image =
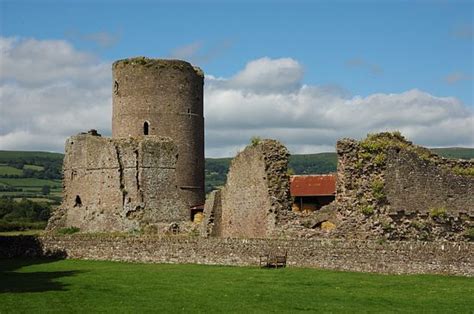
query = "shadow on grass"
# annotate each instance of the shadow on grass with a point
(23, 251)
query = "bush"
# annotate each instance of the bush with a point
(255, 140)
(379, 159)
(439, 212)
(469, 233)
(367, 210)
(377, 190)
(21, 225)
(463, 171)
(375, 143)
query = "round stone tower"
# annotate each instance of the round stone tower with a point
(164, 98)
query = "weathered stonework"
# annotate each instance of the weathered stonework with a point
(150, 174)
(396, 257)
(119, 184)
(211, 225)
(389, 188)
(167, 97)
(256, 192)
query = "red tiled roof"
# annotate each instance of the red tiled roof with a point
(313, 185)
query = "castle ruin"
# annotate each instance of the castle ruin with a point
(151, 172)
(150, 175)
(398, 207)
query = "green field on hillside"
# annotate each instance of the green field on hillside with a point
(7, 155)
(34, 167)
(66, 286)
(8, 170)
(215, 168)
(30, 182)
(455, 152)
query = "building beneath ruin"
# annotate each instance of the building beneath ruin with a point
(151, 172)
(312, 192)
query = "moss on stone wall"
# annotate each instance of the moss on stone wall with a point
(388, 187)
(157, 63)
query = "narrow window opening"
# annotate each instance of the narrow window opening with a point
(146, 128)
(116, 88)
(78, 202)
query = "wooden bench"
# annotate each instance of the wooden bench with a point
(273, 260)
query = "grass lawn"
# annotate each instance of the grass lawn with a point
(91, 286)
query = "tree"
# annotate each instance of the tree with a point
(45, 189)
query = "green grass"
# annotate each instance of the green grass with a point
(34, 167)
(34, 199)
(7, 170)
(7, 155)
(455, 152)
(92, 286)
(29, 182)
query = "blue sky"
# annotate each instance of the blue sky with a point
(359, 48)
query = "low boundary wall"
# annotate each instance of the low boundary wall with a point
(349, 255)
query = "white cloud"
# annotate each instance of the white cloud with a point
(49, 91)
(269, 75)
(42, 102)
(272, 103)
(34, 62)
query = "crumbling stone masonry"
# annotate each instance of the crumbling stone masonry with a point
(256, 193)
(151, 172)
(119, 184)
(389, 188)
(164, 98)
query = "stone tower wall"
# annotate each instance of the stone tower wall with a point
(119, 185)
(168, 96)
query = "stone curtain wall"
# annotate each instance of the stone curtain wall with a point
(415, 185)
(389, 188)
(212, 224)
(119, 184)
(256, 191)
(401, 257)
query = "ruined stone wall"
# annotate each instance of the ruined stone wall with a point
(256, 191)
(412, 257)
(167, 95)
(119, 184)
(389, 188)
(211, 226)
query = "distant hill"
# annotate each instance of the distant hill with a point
(12, 155)
(16, 167)
(30, 182)
(455, 152)
(216, 168)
